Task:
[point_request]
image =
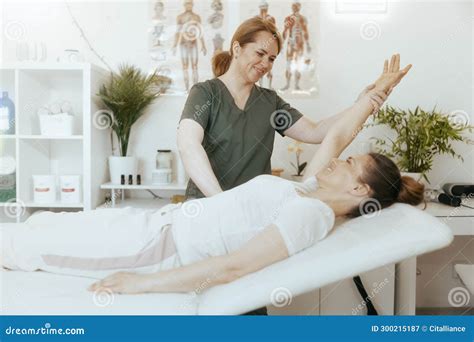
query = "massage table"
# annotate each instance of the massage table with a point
(353, 247)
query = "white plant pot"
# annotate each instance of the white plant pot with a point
(122, 166)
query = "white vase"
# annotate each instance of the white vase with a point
(122, 166)
(297, 178)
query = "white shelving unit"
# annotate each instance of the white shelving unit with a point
(145, 186)
(31, 86)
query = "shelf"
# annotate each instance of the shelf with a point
(155, 203)
(145, 186)
(42, 205)
(44, 137)
(53, 205)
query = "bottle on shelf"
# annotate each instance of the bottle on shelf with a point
(130, 179)
(7, 114)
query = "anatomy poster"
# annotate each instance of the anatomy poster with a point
(184, 35)
(295, 69)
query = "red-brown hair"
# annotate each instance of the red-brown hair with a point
(244, 34)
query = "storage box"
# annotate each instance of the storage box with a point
(44, 188)
(70, 188)
(56, 124)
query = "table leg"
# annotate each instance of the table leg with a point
(405, 287)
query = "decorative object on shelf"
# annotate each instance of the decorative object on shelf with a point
(127, 94)
(44, 188)
(139, 180)
(164, 159)
(299, 167)
(31, 51)
(71, 56)
(277, 172)
(161, 176)
(56, 119)
(70, 188)
(7, 114)
(420, 136)
(7, 178)
(130, 180)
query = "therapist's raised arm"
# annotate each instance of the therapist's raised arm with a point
(194, 157)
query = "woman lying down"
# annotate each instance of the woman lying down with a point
(219, 239)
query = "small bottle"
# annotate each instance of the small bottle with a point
(122, 179)
(139, 180)
(130, 179)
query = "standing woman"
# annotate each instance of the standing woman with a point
(227, 128)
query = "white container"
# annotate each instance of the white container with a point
(164, 159)
(161, 176)
(56, 125)
(44, 188)
(122, 166)
(70, 188)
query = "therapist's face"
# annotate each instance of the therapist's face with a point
(344, 175)
(256, 59)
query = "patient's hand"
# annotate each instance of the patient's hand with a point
(391, 75)
(122, 282)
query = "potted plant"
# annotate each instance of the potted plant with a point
(127, 94)
(420, 136)
(299, 168)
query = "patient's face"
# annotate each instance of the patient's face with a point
(343, 175)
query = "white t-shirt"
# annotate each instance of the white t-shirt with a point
(222, 223)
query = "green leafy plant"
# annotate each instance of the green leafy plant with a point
(127, 94)
(420, 136)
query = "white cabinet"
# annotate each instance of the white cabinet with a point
(35, 85)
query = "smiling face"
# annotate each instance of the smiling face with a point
(255, 59)
(344, 175)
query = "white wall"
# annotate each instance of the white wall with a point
(436, 37)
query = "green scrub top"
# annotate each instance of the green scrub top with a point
(238, 143)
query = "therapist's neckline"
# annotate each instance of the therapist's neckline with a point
(247, 102)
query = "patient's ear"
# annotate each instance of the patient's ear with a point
(360, 190)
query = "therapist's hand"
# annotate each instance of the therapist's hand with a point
(377, 97)
(391, 75)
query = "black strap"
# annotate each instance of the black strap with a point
(365, 297)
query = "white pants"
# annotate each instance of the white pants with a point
(93, 243)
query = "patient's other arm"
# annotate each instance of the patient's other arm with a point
(195, 159)
(263, 250)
